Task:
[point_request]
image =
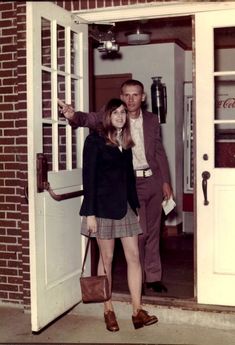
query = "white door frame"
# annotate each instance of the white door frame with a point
(147, 11)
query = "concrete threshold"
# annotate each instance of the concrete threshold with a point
(169, 311)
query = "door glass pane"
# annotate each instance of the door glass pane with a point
(61, 91)
(225, 145)
(46, 42)
(225, 98)
(74, 53)
(74, 149)
(46, 94)
(224, 43)
(224, 86)
(60, 48)
(74, 91)
(47, 144)
(62, 147)
(62, 81)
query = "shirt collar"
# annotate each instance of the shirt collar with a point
(139, 118)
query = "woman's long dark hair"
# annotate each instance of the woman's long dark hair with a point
(110, 132)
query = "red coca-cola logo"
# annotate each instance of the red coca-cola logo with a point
(227, 103)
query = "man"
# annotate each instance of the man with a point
(151, 170)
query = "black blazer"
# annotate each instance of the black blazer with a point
(108, 179)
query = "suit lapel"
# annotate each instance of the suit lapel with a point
(146, 132)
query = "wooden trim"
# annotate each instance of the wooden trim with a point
(151, 10)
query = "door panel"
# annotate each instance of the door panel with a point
(215, 123)
(107, 87)
(57, 68)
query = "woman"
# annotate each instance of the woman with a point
(110, 204)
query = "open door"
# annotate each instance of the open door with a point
(215, 136)
(57, 60)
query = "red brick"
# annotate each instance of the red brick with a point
(4, 90)
(26, 285)
(6, 124)
(26, 259)
(7, 191)
(14, 263)
(7, 207)
(25, 227)
(9, 271)
(14, 280)
(3, 279)
(10, 98)
(13, 232)
(7, 141)
(6, 23)
(7, 40)
(6, 6)
(9, 64)
(26, 276)
(2, 215)
(5, 173)
(100, 3)
(25, 243)
(6, 57)
(15, 296)
(11, 132)
(7, 239)
(84, 4)
(13, 215)
(2, 232)
(3, 295)
(10, 115)
(2, 247)
(7, 158)
(8, 256)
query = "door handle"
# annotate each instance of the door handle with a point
(43, 184)
(205, 176)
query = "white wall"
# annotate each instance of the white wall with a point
(168, 61)
(188, 65)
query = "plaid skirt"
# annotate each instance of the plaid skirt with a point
(114, 228)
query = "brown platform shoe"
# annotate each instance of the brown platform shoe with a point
(143, 319)
(111, 322)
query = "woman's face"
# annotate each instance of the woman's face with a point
(118, 117)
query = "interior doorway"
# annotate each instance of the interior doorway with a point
(177, 246)
(107, 87)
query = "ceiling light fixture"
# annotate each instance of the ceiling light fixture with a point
(106, 40)
(138, 37)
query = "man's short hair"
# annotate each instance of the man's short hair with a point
(133, 82)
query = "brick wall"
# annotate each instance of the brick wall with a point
(14, 234)
(14, 257)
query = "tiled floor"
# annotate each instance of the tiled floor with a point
(177, 262)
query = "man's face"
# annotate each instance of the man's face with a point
(133, 96)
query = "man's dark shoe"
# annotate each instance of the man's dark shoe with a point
(156, 286)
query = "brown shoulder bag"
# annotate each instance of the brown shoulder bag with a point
(94, 289)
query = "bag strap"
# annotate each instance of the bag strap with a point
(86, 252)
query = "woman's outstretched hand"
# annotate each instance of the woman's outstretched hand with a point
(66, 109)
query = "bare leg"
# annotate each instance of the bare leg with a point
(134, 272)
(107, 249)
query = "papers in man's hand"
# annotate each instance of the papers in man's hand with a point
(168, 205)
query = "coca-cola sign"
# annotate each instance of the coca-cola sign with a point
(227, 103)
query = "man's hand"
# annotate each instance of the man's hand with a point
(66, 109)
(167, 191)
